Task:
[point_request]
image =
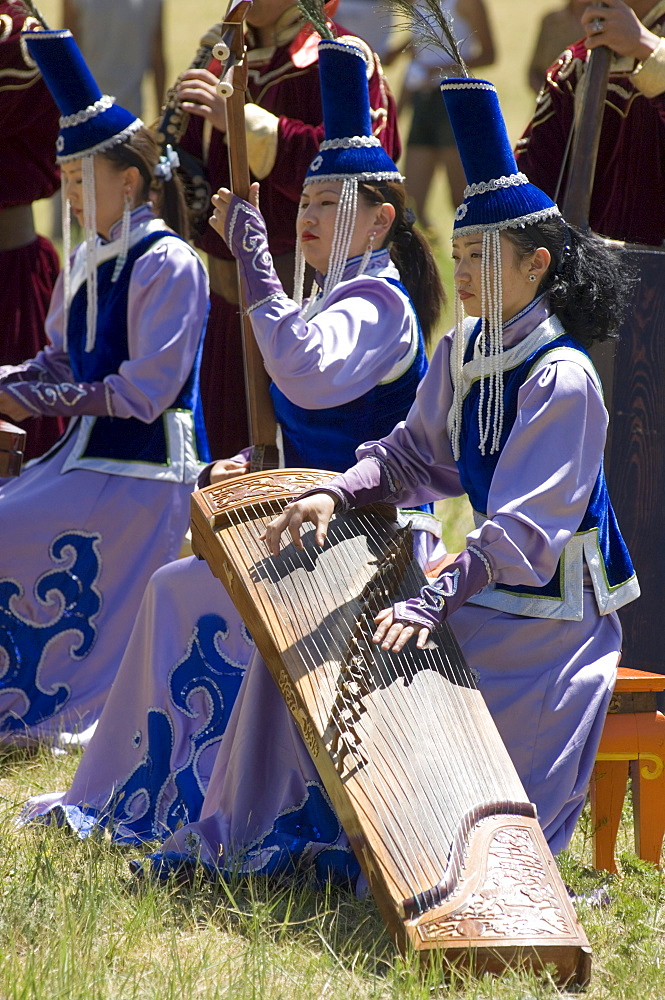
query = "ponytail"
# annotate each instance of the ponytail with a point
(411, 255)
(173, 207)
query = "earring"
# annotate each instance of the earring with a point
(368, 253)
(532, 277)
(123, 249)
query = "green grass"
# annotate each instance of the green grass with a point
(75, 925)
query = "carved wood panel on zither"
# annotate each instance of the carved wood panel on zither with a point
(12, 447)
(404, 744)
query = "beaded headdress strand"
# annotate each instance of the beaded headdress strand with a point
(90, 122)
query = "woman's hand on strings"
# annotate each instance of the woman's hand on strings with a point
(221, 202)
(12, 408)
(317, 508)
(393, 635)
(227, 469)
(197, 91)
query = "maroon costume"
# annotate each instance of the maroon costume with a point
(28, 131)
(289, 90)
(628, 201)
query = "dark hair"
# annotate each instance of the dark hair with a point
(586, 282)
(411, 254)
(142, 151)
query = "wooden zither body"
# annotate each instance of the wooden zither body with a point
(12, 446)
(404, 744)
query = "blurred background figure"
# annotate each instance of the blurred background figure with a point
(431, 143)
(122, 41)
(370, 21)
(558, 29)
(28, 262)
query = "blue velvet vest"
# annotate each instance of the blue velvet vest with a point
(597, 541)
(127, 444)
(328, 438)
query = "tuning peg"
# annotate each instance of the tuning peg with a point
(221, 51)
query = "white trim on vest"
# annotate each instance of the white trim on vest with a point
(181, 466)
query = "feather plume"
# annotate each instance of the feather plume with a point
(429, 26)
(314, 12)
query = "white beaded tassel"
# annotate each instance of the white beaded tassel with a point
(345, 220)
(497, 342)
(457, 370)
(89, 220)
(490, 343)
(125, 226)
(66, 262)
(314, 301)
(364, 261)
(482, 341)
(299, 275)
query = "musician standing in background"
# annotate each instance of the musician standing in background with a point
(85, 526)
(628, 199)
(28, 263)
(346, 361)
(511, 412)
(283, 132)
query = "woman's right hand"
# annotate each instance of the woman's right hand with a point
(221, 202)
(317, 508)
(197, 90)
(616, 25)
(225, 468)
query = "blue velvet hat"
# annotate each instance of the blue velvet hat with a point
(498, 196)
(349, 148)
(90, 122)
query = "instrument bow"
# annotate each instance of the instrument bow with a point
(232, 53)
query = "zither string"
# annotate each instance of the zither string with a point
(425, 704)
(405, 864)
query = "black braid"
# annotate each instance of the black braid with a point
(411, 254)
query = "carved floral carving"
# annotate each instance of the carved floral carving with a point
(517, 899)
(262, 486)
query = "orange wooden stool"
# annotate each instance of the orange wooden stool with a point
(633, 740)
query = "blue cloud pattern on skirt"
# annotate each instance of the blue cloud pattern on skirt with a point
(71, 591)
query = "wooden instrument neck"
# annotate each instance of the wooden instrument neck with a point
(586, 138)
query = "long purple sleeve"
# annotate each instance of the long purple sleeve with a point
(162, 345)
(436, 601)
(363, 336)
(542, 481)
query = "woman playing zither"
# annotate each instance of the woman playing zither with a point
(347, 360)
(511, 413)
